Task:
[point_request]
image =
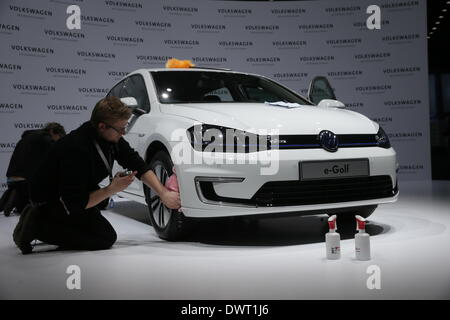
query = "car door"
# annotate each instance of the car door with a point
(134, 87)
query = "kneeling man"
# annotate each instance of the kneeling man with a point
(65, 192)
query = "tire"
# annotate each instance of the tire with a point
(169, 224)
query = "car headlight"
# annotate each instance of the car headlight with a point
(213, 138)
(382, 139)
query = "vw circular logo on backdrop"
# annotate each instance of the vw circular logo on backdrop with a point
(328, 140)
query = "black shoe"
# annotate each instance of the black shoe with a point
(20, 222)
(25, 231)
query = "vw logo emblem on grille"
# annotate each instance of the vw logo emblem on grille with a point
(328, 140)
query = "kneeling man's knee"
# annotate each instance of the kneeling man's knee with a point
(106, 241)
(110, 239)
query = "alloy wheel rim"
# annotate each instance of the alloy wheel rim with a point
(161, 214)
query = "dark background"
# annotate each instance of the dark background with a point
(439, 79)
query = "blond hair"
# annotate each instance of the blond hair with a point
(109, 109)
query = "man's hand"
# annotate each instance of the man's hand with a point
(170, 199)
(121, 183)
(117, 184)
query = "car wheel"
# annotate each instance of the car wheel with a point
(169, 224)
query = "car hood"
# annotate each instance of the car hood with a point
(253, 117)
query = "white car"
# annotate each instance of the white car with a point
(244, 145)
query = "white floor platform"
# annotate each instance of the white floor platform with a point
(282, 259)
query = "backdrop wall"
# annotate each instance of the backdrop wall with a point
(50, 73)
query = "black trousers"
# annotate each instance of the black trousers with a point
(88, 230)
(16, 196)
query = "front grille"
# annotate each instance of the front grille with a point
(295, 193)
(312, 141)
(290, 193)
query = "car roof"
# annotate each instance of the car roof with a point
(192, 70)
(189, 69)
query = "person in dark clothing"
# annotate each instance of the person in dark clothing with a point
(65, 187)
(28, 153)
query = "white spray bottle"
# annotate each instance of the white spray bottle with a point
(362, 240)
(333, 240)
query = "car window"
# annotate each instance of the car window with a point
(115, 91)
(211, 86)
(219, 95)
(320, 89)
(134, 86)
(258, 93)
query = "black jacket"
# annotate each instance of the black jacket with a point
(74, 168)
(29, 153)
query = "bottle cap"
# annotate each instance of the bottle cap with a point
(332, 222)
(360, 223)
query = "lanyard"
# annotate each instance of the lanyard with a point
(102, 155)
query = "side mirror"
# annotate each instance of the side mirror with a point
(132, 103)
(328, 103)
(320, 89)
(138, 111)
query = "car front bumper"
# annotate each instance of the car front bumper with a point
(228, 184)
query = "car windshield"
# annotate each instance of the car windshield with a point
(217, 87)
